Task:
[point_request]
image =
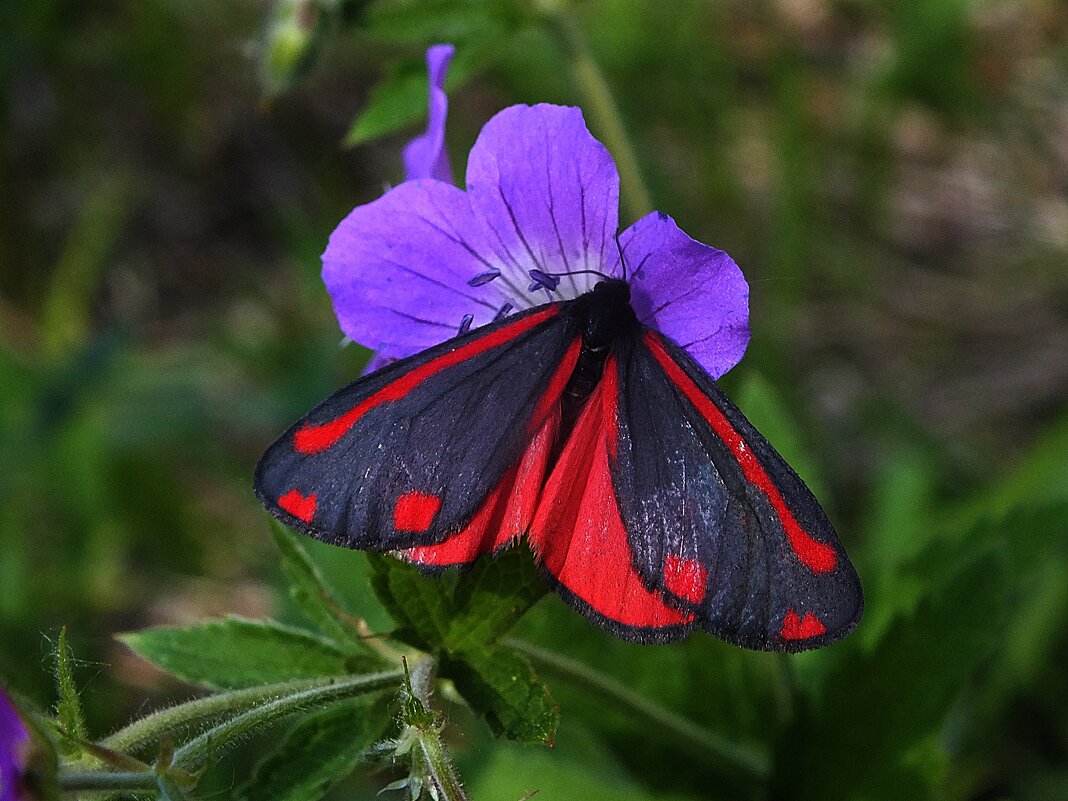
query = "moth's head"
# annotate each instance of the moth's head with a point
(605, 314)
(613, 290)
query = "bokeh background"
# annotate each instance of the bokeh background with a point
(893, 179)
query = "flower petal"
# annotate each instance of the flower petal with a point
(425, 156)
(377, 362)
(14, 742)
(548, 195)
(397, 269)
(692, 293)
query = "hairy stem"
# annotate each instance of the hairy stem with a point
(148, 731)
(226, 734)
(423, 724)
(440, 769)
(743, 760)
(87, 780)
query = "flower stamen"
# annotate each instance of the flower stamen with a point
(543, 280)
(550, 281)
(484, 278)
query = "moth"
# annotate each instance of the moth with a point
(654, 507)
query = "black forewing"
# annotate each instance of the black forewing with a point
(691, 513)
(451, 437)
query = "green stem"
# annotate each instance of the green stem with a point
(149, 731)
(87, 780)
(440, 769)
(602, 108)
(744, 760)
(196, 751)
(424, 722)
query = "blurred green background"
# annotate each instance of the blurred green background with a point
(893, 179)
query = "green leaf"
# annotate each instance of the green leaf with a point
(659, 722)
(397, 101)
(69, 706)
(1030, 641)
(501, 686)
(421, 605)
(457, 612)
(234, 652)
(461, 616)
(318, 752)
(400, 99)
(878, 709)
(581, 766)
(492, 597)
(311, 592)
(901, 692)
(900, 528)
(1036, 479)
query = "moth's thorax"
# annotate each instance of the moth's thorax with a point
(604, 315)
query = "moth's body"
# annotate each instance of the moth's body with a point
(652, 503)
(605, 319)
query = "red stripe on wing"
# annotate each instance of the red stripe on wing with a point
(577, 531)
(551, 398)
(476, 538)
(506, 513)
(316, 438)
(818, 556)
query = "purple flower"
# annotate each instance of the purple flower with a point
(14, 750)
(425, 156)
(537, 224)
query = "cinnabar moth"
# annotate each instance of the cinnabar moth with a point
(653, 505)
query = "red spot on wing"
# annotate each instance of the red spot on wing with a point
(577, 530)
(414, 511)
(818, 556)
(795, 627)
(686, 578)
(316, 438)
(301, 507)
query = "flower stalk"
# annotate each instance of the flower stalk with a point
(221, 737)
(421, 738)
(601, 106)
(71, 781)
(149, 731)
(247, 711)
(439, 768)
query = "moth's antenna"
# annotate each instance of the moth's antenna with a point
(622, 261)
(549, 281)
